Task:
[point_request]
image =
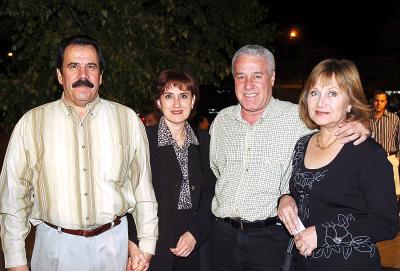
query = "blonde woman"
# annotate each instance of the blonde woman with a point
(344, 193)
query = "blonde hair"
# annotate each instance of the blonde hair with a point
(348, 80)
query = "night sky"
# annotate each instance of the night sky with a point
(349, 28)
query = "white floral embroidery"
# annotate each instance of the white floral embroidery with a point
(337, 237)
(339, 240)
(303, 181)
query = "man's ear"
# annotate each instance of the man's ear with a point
(158, 103)
(59, 77)
(272, 78)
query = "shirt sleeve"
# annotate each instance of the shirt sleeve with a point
(145, 212)
(380, 222)
(286, 174)
(213, 149)
(15, 199)
(397, 137)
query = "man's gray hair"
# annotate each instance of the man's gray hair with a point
(255, 50)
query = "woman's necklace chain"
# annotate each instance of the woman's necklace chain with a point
(324, 147)
(182, 137)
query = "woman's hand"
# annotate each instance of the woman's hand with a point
(185, 245)
(287, 213)
(306, 241)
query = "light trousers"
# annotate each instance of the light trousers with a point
(58, 251)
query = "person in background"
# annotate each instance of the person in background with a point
(202, 122)
(385, 127)
(151, 118)
(73, 168)
(182, 178)
(344, 193)
(250, 154)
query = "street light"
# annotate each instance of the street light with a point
(294, 33)
(10, 54)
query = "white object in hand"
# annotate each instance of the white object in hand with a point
(301, 226)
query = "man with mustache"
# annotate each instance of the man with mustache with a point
(73, 168)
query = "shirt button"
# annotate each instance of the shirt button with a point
(86, 194)
(87, 218)
(82, 124)
(83, 146)
(247, 169)
(85, 169)
(193, 187)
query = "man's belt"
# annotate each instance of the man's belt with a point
(89, 232)
(244, 224)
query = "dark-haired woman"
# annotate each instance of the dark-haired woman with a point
(182, 179)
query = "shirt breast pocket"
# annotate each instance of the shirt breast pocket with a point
(115, 163)
(273, 173)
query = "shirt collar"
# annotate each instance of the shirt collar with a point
(165, 137)
(385, 113)
(91, 108)
(269, 109)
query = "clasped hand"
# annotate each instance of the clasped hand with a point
(185, 245)
(138, 260)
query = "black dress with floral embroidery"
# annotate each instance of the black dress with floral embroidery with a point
(351, 202)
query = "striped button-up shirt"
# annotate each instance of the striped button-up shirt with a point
(252, 163)
(386, 132)
(76, 173)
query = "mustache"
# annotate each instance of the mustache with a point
(83, 82)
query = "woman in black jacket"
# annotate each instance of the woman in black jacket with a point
(181, 176)
(344, 193)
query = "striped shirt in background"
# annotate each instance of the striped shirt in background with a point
(252, 163)
(386, 132)
(76, 173)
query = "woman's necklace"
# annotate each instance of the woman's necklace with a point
(181, 139)
(324, 147)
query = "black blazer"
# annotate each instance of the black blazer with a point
(167, 179)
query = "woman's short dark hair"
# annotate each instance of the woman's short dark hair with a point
(348, 79)
(181, 80)
(81, 40)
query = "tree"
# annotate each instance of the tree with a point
(139, 38)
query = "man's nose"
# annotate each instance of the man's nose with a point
(82, 73)
(249, 84)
